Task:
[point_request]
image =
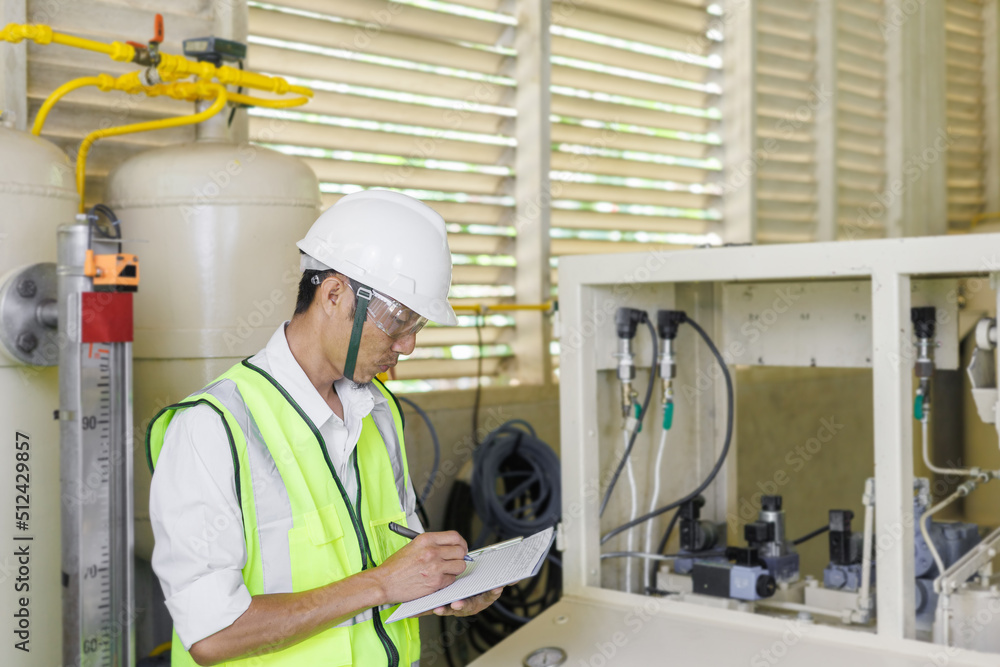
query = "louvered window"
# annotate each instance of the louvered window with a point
(860, 118)
(964, 97)
(786, 121)
(416, 97)
(419, 96)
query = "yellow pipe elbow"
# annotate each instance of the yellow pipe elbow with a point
(285, 103)
(103, 82)
(148, 126)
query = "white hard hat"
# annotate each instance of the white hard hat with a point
(390, 242)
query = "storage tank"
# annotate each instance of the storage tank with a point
(218, 224)
(37, 194)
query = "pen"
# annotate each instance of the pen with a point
(498, 545)
(403, 531)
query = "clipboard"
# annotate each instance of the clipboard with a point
(492, 567)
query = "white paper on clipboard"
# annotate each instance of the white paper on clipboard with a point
(491, 569)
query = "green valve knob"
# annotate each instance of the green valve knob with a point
(918, 407)
(638, 414)
(668, 416)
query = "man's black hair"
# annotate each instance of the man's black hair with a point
(307, 288)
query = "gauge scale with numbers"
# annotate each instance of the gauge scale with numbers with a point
(550, 656)
(95, 412)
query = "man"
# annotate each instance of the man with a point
(274, 486)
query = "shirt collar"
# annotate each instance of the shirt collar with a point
(289, 374)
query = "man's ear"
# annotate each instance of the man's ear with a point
(332, 292)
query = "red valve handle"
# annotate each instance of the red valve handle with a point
(157, 30)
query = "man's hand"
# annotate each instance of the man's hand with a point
(424, 566)
(470, 606)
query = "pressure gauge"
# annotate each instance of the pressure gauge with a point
(549, 656)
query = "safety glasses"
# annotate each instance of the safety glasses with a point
(393, 318)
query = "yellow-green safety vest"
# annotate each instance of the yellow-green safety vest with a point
(301, 529)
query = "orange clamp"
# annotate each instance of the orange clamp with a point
(121, 270)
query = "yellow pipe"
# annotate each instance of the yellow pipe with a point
(482, 309)
(267, 103)
(43, 34)
(161, 649)
(118, 51)
(521, 306)
(187, 91)
(171, 67)
(103, 82)
(983, 216)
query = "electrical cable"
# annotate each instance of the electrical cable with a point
(422, 513)
(666, 538)
(479, 379)
(722, 455)
(659, 557)
(515, 490)
(809, 536)
(239, 91)
(437, 449)
(657, 470)
(633, 512)
(105, 210)
(514, 452)
(653, 372)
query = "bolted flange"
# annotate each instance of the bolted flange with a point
(28, 331)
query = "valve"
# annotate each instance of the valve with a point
(924, 320)
(667, 323)
(148, 55)
(627, 321)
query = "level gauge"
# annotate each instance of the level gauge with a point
(549, 656)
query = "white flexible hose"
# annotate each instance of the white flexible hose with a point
(633, 513)
(653, 500)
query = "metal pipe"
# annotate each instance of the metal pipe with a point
(213, 128)
(801, 608)
(925, 445)
(626, 374)
(48, 313)
(864, 596)
(960, 492)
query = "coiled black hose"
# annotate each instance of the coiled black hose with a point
(515, 490)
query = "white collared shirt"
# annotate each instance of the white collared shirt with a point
(200, 548)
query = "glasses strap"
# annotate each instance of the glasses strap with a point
(364, 296)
